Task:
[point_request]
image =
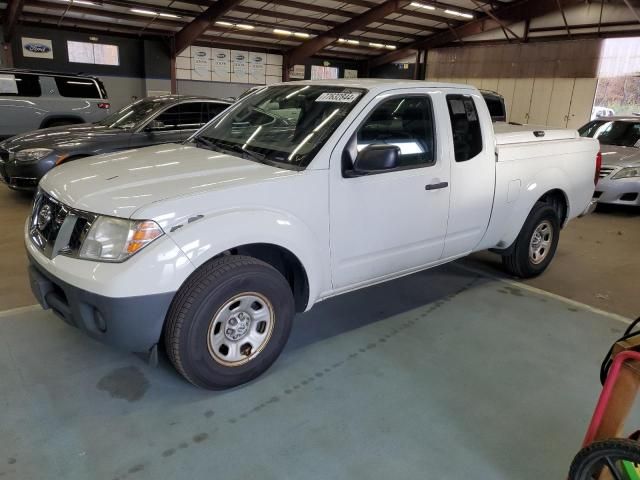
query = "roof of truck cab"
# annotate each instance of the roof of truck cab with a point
(380, 83)
(46, 72)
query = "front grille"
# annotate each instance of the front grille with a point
(57, 229)
(606, 171)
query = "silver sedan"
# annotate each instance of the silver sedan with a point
(619, 137)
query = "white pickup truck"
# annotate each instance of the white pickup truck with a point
(297, 193)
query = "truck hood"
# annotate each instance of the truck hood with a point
(120, 183)
(620, 156)
(65, 138)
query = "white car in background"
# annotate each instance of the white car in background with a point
(211, 246)
(619, 137)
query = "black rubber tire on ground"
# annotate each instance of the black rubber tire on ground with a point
(196, 304)
(589, 461)
(518, 262)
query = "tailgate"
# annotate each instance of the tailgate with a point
(507, 134)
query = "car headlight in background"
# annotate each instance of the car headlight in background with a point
(116, 239)
(627, 173)
(32, 154)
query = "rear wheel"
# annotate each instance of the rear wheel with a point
(229, 322)
(536, 243)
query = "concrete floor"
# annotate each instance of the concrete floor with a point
(443, 371)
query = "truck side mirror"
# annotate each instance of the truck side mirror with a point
(376, 158)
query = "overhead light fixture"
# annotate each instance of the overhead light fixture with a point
(353, 42)
(376, 45)
(342, 40)
(142, 11)
(455, 13)
(301, 34)
(224, 24)
(390, 47)
(422, 5)
(79, 2)
(244, 26)
(279, 31)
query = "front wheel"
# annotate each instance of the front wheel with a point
(536, 244)
(616, 458)
(229, 322)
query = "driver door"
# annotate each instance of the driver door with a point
(393, 221)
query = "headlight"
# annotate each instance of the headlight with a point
(32, 154)
(116, 239)
(627, 173)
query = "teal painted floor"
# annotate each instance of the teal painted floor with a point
(440, 375)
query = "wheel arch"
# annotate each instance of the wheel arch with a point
(72, 119)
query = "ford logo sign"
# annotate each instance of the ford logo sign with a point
(37, 48)
(221, 55)
(239, 57)
(201, 54)
(257, 59)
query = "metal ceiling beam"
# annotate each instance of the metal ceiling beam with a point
(11, 16)
(509, 13)
(504, 27)
(199, 25)
(314, 45)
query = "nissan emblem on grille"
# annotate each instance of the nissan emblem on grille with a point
(44, 216)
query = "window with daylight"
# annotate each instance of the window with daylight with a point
(96, 53)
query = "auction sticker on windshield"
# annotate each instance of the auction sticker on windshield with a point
(340, 97)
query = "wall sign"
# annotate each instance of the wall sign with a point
(297, 72)
(350, 73)
(37, 47)
(257, 68)
(201, 63)
(220, 64)
(239, 66)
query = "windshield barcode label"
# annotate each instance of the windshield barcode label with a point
(338, 97)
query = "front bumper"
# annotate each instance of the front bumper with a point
(624, 191)
(25, 175)
(133, 324)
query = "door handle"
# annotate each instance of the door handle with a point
(436, 186)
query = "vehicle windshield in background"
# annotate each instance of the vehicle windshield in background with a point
(620, 133)
(132, 115)
(283, 125)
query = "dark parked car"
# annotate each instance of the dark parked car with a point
(24, 159)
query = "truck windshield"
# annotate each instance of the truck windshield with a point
(132, 115)
(282, 125)
(621, 133)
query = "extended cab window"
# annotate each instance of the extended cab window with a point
(77, 87)
(19, 85)
(406, 122)
(465, 126)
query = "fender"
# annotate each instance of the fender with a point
(509, 217)
(202, 238)
(58, 118)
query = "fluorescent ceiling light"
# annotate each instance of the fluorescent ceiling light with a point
(244, 26)
(168, 15)
(225, 24)
(281, 32)
(301, 34)
(79, 2)
(342, 40)
(390, 47)
(458, 14)
(143, 12)
(353, 42)
(422, 5)
(376, 45)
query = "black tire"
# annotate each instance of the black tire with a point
(592, 459)
(193, 319)
(518, 261)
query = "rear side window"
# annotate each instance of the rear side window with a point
(465, 125)
(406, 122)
(496, 108)
(210, 110)
(77, 87)
(19, 85)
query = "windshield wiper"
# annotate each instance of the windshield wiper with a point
(230, 147)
